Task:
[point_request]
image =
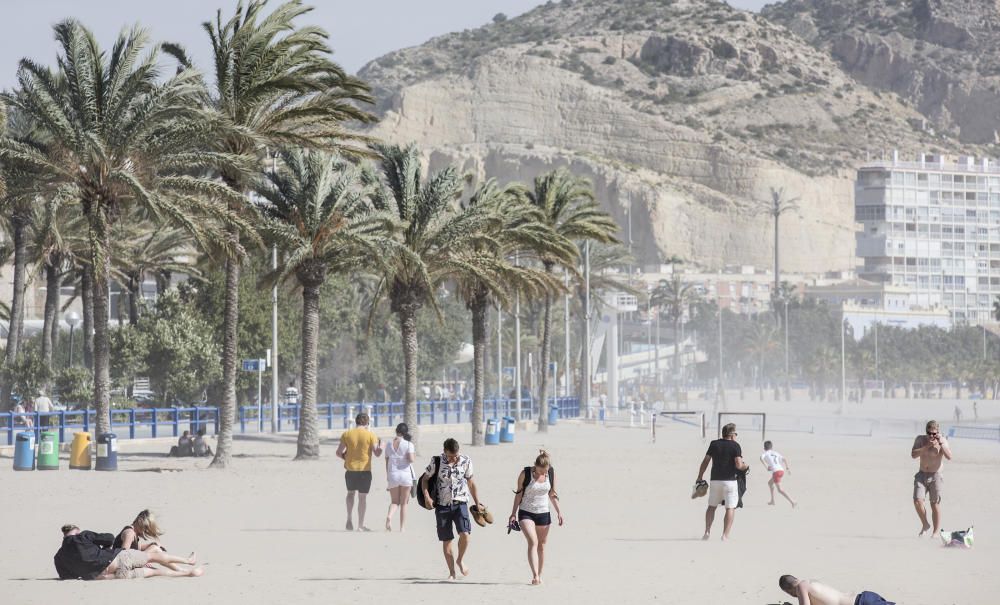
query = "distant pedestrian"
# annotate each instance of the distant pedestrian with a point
(777, 466)
(26, 418)
(43, 405)
(357, 445)
(399, 456)
(958, 414)
(726, 458)
(975, 411)
(454, 486)
(291, 394)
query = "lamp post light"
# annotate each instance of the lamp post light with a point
(73, 319)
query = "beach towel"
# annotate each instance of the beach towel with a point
(957, 539)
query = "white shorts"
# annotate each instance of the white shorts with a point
(723, 492)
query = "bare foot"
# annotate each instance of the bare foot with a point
(192, 559)
(349, 526)
(462, 568)
(924, 530)
(535, 581)
(363, 528)
(450, 578)
(771, 503)
(795, 504)
(388, 525)
(705, 537)
(725, 537)
(195, 572)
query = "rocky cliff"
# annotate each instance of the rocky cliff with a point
(942, 56)
(686, 111)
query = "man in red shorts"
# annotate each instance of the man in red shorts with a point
(777, 466)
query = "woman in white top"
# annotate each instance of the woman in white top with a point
(399, 455)
(535, 492)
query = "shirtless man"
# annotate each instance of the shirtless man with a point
(932, 449)
(810, 592)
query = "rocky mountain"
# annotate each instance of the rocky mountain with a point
(942, 56)
(685, 111)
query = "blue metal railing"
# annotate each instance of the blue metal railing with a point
(991, 433)
(162, 422)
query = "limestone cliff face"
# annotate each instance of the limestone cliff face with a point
(687, 110)
(939, 55)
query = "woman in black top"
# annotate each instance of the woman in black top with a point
(144, 527)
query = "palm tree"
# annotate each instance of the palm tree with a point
(762, 342)
(437, 243)
(676, 297)
(775, 207)
(277, 86)
(152, 250)
(570, 210)
(491, 277)
(319, 213)
(120, 138)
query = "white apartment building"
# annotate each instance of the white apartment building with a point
(933, 226)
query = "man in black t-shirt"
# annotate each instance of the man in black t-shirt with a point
(726, 457)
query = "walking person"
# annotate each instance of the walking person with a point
(357, 445)
(777, 466)
(536, 490)
(43, 405)
(932, 449)
(454, 485)
(726, 458)
(399, 456)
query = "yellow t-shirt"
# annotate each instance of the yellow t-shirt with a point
(359, 442)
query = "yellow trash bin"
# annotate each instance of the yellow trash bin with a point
(79, 456)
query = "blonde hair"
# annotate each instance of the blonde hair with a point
(542, 461)
(145, 525)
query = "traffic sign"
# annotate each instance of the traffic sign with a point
(253, 365)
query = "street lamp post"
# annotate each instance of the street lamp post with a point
(843, 363)
(275, 410)
(586, 326)
(73, 319)
(788, 378)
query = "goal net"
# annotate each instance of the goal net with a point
(746, 422)
(682, 421)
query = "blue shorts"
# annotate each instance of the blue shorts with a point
(870, 598)
(456, 514)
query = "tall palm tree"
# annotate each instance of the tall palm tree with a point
(492, 278)
(762, 342)
(570, 210)
(437, 243)
(776, 206)
(277, 86)
(319, 213)
(120, 138)
(676, 297)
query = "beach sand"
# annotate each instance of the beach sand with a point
(271, 530)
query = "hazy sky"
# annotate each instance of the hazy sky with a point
(360, 31)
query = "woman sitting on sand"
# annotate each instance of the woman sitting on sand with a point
(144, 527)
(535, 491)
(399, 456)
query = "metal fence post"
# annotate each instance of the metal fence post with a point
(154, 423)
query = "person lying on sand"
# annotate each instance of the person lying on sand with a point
(92, 556)
(811, 592)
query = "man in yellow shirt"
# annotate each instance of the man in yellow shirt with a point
(356, 448)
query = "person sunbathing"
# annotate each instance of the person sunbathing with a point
(810, 592)
(89, 555)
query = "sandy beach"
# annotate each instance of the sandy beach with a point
(272, 531)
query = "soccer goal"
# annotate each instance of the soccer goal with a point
(757, 422)
(690, 418)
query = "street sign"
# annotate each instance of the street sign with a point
(253, 365)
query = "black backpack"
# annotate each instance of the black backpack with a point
(527, 480)
(431, 485)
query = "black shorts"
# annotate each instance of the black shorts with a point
(542, 519)
(456, 514)
(358, 481)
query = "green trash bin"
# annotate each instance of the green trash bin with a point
(48, 451)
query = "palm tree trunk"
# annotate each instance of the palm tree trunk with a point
(480, 344)
(227, 409)
(407, 314)
(14, 327)
(777, 275)
(100, 244)
(543, 366)
(87, 298)
(51, 318)
(134, 285)
(308, 444)
(677, 358)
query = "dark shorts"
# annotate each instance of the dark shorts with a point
(871, 598)
(358, 481)
(456, 515)
(542, 519)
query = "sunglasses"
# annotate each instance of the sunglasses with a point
(935, 434)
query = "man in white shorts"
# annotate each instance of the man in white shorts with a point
(777, 466)
(726, 457)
